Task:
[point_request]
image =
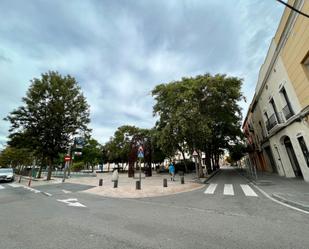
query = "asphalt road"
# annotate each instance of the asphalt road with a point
(59, 216)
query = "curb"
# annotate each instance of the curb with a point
(211, 176)
(276, 198)
(292, 203)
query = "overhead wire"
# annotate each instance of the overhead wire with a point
(291, 7)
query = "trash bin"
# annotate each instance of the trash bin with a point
(34, 173)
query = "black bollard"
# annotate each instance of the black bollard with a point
(182, 179)
(165, 183)
(138, 184)
(116, 184)
(101, 182)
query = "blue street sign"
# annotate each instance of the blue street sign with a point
(140, 154)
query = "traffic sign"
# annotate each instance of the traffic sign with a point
(194, 153)
(67, 158)
(140, 152)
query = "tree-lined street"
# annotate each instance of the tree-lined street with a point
(154, 124)
(187, 220)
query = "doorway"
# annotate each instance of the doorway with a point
(292, 157)
(271, 159)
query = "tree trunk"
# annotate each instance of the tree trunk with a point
(213, 162)
(217, 158)
(50, 169)
(92, 168)
(40, 171)
(208, 161)
(184, 160)
(200, 166)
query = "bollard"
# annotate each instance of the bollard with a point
(101, 182)
(182, 179)
(19, 179)
(138, 185)
(165, 183)
(116, 184)
(29, 183)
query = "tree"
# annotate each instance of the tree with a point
(237, 152)
(200, 113)
(119, 146)
(53, 111)
(92, 152)
(15, 157)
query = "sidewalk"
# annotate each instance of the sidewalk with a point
(293, 191)
(150, 187)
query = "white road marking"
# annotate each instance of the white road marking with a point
(15, 185)
(72, 202)
(68, 200)
(32, 189)
(273, 199)
(248, 191)
(66, 191)
(1, 187)
(48, 194)
(279, 202)
(228, 189)
(76, 204)
(211, 188)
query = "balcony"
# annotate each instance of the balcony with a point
(274, 120)
(287, 112)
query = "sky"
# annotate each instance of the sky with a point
(120, 50)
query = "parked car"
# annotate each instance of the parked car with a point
(6, 174)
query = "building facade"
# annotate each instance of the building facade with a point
(277, 123)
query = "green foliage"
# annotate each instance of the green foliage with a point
(53, 111)
(15, 156)
(200, 113)
(92, 152)
(119, 146)
(237, 152)
(77, 166)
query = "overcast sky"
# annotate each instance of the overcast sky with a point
(119, 50)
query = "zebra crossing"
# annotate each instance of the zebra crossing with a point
(228, 189)
(12, 185)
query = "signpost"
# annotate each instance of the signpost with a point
(140, 155)
(67, 160)
(194, 154)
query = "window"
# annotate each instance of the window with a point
(287, 109)
(304, 149)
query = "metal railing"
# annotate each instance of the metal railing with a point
(288, 112)
(275, 118)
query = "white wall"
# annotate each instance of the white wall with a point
(293, 131)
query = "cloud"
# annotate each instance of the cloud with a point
(119, 50)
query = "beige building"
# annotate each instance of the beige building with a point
(277, 121)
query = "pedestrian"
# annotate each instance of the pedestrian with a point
(172, 171)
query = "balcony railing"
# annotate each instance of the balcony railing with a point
(288, 112)
(274, 120)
